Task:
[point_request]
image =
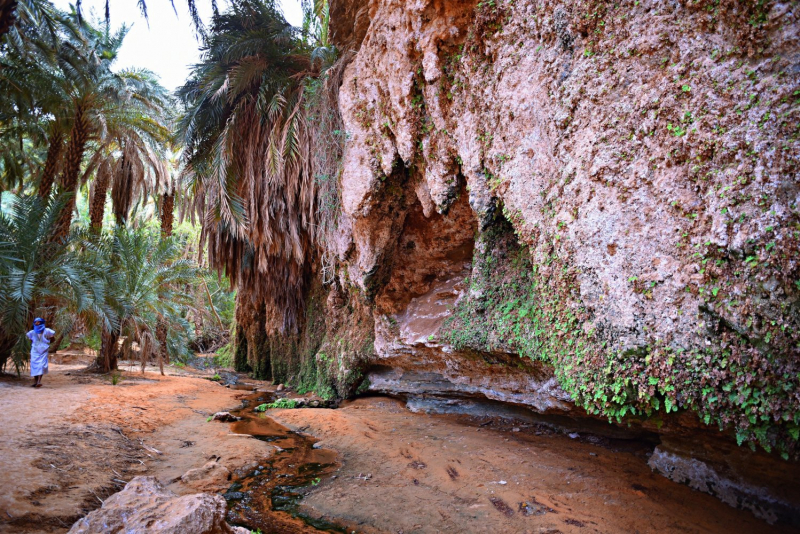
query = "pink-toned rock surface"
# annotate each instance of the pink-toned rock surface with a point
(145, 506)
(646, 154)
(630, 141)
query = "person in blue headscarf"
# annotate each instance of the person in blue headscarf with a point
(40, 338)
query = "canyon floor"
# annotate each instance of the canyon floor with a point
(75, 441)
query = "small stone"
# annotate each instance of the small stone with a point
(317, 445)
(280, 387)
(502, 482)
(211, 478)
(225, 417)
(515, 429)
(770, 285)
(574, 435)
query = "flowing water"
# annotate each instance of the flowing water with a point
(267, 498)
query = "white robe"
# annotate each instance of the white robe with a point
(40, 344)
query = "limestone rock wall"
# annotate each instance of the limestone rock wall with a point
(644, 153)
(625, 172)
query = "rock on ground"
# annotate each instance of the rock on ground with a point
(145, 506)
(212, 477)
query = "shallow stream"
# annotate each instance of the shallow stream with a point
(267, 497)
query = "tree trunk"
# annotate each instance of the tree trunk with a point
(97, 208)
(107, 357)
(72, 167)
(6, 346)
(8, 15)
(167, 219)
(161, 337)
(51, 163)
(167, 213)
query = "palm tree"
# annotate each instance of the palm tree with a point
(130, 167)
(57, 89)
(14, 11)
(248, 152)
(60, 281)
(32, 104)
(129, 104)
(150, 274)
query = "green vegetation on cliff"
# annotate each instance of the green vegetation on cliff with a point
(519, 307)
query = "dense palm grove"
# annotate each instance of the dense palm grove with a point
(97, 161)
(93, 162)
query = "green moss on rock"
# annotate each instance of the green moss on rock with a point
(534, 310)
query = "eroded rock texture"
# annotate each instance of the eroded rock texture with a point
(144, 505)
(579, 207)
(645, 156)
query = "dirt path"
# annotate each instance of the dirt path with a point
(70, 444)
(406, 472)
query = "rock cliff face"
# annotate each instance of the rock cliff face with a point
(585, 208)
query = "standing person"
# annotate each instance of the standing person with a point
(40, 338)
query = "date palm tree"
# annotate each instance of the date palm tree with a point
(105, 105)
(247, 154)
(13, 12)
(33, 118)
(61, 281)
(147, 286)
(58, 89)
(130, 167)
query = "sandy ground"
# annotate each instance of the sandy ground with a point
(405, 472)
(68, 445)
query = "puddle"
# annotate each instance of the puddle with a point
(268, 497)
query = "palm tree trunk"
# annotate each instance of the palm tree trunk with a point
(97, 208)
(167, 219)
(161, 337)
(51, 163)
(72, 167)
(167, 213)
(107, 357)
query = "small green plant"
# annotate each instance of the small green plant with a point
(209, 418)
(676, 130)
(115, 378)
(315, 482)
(286, 404)
(224, 356)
